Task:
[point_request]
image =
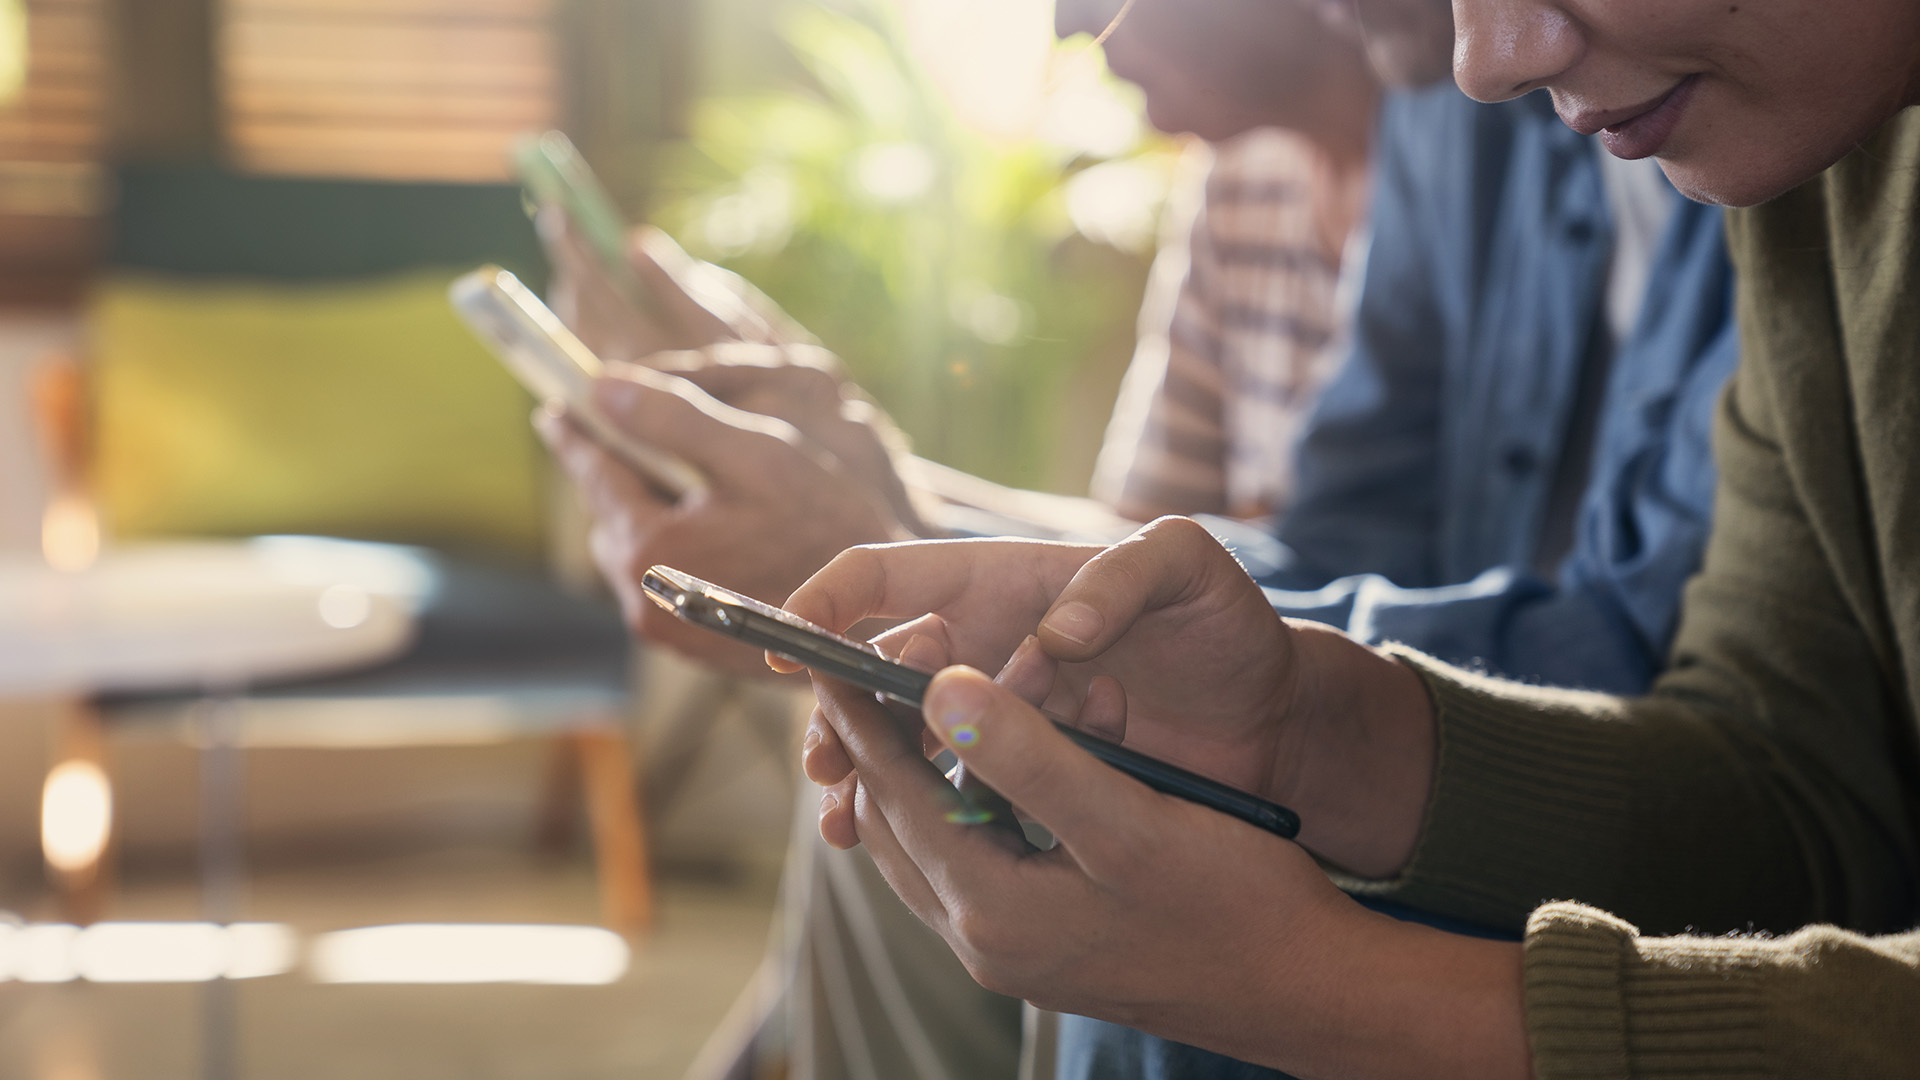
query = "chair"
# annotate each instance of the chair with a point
(272, 356)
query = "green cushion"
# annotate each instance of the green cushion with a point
(361, 409)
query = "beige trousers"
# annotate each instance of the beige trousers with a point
(873, 993)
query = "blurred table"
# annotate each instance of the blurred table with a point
(198, 616)
(212, 618)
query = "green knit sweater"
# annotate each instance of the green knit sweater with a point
(1771, 779)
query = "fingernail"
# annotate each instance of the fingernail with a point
(958, 706)
(1074, 621)
(829, 802)
(922, 654)
(807, 744)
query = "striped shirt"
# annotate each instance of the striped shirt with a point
(1236, 333)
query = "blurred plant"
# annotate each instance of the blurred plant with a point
(966, 279)
(13, 47)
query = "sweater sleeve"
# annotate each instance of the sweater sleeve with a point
(1753, 788)
(1602, 1001)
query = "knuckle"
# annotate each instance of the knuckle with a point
(855, 564)
(1183, 533)
(984, 936)
(995, 979)
(999, 959)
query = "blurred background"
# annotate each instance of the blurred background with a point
(226, 227)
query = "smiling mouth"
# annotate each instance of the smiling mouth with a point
(1637, 131)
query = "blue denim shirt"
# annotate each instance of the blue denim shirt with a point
(1427, 469)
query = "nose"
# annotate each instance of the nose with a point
(1504, 48)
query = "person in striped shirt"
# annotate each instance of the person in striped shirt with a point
(1236, 335)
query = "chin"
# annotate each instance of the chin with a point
(1746, 174)
(1719, 187)
(1741, 158)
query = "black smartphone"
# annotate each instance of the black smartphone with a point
(723, 611)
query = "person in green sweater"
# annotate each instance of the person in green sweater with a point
(1719, 878)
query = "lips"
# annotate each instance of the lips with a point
(1637, 131)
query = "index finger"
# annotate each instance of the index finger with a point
(912, 578)
(671, 414)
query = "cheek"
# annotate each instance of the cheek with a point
(1742, 146)
(1795, 84)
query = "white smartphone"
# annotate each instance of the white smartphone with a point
(557, 367)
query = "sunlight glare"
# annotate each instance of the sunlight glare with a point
(145, 952)
(38, 954)
(470, 953)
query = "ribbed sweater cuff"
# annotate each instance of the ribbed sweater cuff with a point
(1529, 794)
(1603, 1002)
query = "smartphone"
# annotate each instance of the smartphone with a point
(705, 604)
(557, 367)
(554, 174)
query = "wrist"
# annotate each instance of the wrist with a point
(1353, 992)
(1434, 1004)
(1366, 749)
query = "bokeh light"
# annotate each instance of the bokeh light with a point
(76, 814)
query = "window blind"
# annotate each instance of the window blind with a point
(52, 189)
(384, 89)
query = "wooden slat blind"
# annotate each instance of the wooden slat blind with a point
(387, 89)
(52, 190)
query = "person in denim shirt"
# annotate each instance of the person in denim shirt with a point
(1495, 475)
(1430, 468)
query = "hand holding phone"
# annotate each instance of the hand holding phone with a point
(686, 303)
(557, 368)
(708, 605)
(554, 174)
